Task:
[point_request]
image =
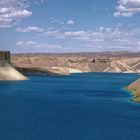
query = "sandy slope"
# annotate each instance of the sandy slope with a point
(78, 63)
(135, 89)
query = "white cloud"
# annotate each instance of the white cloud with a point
(52, 46)
(57, 21)
(19, 43)
(32, 46)
(70, 22)
(84, 35)
(26, 44)
(39, 1)
(12, 11)
(127, 8)
(30, 29)
(101, 39)
(61, 22)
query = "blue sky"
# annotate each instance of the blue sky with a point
(69, 25)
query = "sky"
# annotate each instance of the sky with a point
(58, 26)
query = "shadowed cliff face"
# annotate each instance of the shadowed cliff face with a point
(76, 63)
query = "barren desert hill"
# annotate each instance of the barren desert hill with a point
(126, 62)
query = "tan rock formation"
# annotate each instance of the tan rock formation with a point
(135, 89)
(79, 63)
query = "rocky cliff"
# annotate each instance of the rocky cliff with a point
(77, 63)
(135, 89)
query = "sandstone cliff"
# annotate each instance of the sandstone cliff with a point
(76, 63)
(135, 89)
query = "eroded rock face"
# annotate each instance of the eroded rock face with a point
(79, 63)
(135, 89)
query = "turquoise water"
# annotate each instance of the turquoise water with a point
(92, 106)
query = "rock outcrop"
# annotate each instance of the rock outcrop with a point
(78, 63)
(135, 89)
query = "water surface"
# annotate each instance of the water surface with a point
(92, 106)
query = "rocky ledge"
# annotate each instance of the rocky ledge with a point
(135, 89)
(67, 63)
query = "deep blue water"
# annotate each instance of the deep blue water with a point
(92, 106)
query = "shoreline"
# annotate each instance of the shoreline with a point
(134, 88)
(49, 70)
(135, 98)
(59, 70)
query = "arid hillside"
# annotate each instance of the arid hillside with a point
(71, 63)
(135, 89)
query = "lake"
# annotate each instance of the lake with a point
(90, 106)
